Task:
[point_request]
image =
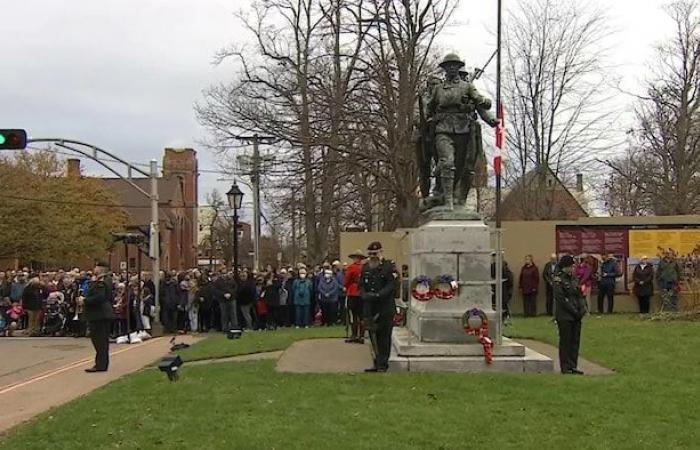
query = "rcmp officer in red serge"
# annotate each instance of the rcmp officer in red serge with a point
(99, 315)
(377, 288)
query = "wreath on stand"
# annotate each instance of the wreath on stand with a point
(445, 287)
(476, 323)
(422, 289)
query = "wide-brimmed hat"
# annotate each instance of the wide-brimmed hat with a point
(357, 254)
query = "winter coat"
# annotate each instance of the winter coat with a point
(548, 273)
(16, 291)
(529, 279)
(32, 297)
(668, 272)
(246, 292)
(329, 290)
(584, 273)
(272, 292)
(169, 297)
(302, 292)
(643, 280)
(609, 271)
(352, 279)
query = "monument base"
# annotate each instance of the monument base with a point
(409, 354)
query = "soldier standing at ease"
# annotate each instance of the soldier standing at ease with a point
(570, 307)
(99, 315)
(377, 287)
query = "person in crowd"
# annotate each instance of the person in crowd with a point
(609, 273)
(99, 314)
(569, 310)
(507, 277)
(5, 286)
(352, 287)
(529, 285)
(271, 295)
(204, 293)
(377, 286)
(668, 275)
(225, 294)
(339, 274)
(284, 299)
(289, 287)
(643, 279)
(193, 303)
(550, 269)
(329, 292)
(119, 325)
(246, 299)
(303, 290)
(17, 287)
(147, 308)
(169, 302)
(584, 274)
(32, 302)
(183, 294)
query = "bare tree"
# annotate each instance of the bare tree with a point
(666, 162)
(557, 115)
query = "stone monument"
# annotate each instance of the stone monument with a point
(453, 242)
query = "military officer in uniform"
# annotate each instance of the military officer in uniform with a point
(453, 107)
(377, 288)
(570, 307)
(99, 315)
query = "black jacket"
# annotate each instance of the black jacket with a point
(272, 292)
(33, 297)
(569, 301)
(246, 292)
(98, 300)
(644, 281)
(222, 286)
(377, 287)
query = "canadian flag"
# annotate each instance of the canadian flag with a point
(500, 137)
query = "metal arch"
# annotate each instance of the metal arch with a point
(94, 149)
(106, 166)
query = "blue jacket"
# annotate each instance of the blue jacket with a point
(328, 291)
(302, 292)
(16, 291)
(609, 272)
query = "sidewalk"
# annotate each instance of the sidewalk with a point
(588, 367)
(325, 356)
(25, 399)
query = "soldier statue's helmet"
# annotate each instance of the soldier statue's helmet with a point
(452, 58)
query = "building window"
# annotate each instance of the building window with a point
(132, 263)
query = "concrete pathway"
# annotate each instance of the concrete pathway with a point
(588, 367)
(325, 356)
(240, 358)
(22, 399)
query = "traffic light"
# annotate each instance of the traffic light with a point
(13, 139)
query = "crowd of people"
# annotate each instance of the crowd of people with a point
(670, 275)
(52, 303)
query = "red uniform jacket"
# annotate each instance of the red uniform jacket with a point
(352, 279)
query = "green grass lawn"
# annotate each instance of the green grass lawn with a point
(218, 346)
(651, 403)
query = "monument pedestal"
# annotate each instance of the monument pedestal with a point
(434, 339)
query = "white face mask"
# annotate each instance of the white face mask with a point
(328, 276)
(302, 275)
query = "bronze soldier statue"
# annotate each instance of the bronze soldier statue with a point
(453, 109)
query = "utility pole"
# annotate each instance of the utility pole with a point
(255, 171)
(255, 179)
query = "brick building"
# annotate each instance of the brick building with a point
(177, 211)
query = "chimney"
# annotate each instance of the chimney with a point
(579, 182)
(73, 168)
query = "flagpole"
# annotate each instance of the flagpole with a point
(497, 169)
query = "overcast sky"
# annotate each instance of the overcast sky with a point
(124, 74)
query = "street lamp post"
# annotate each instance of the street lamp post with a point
(235, 200)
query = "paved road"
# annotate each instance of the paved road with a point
(27, 357)
(33, 367)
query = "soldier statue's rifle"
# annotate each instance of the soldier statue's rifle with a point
(424, 155)
(479, 72)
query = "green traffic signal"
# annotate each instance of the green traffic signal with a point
(13, 139)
